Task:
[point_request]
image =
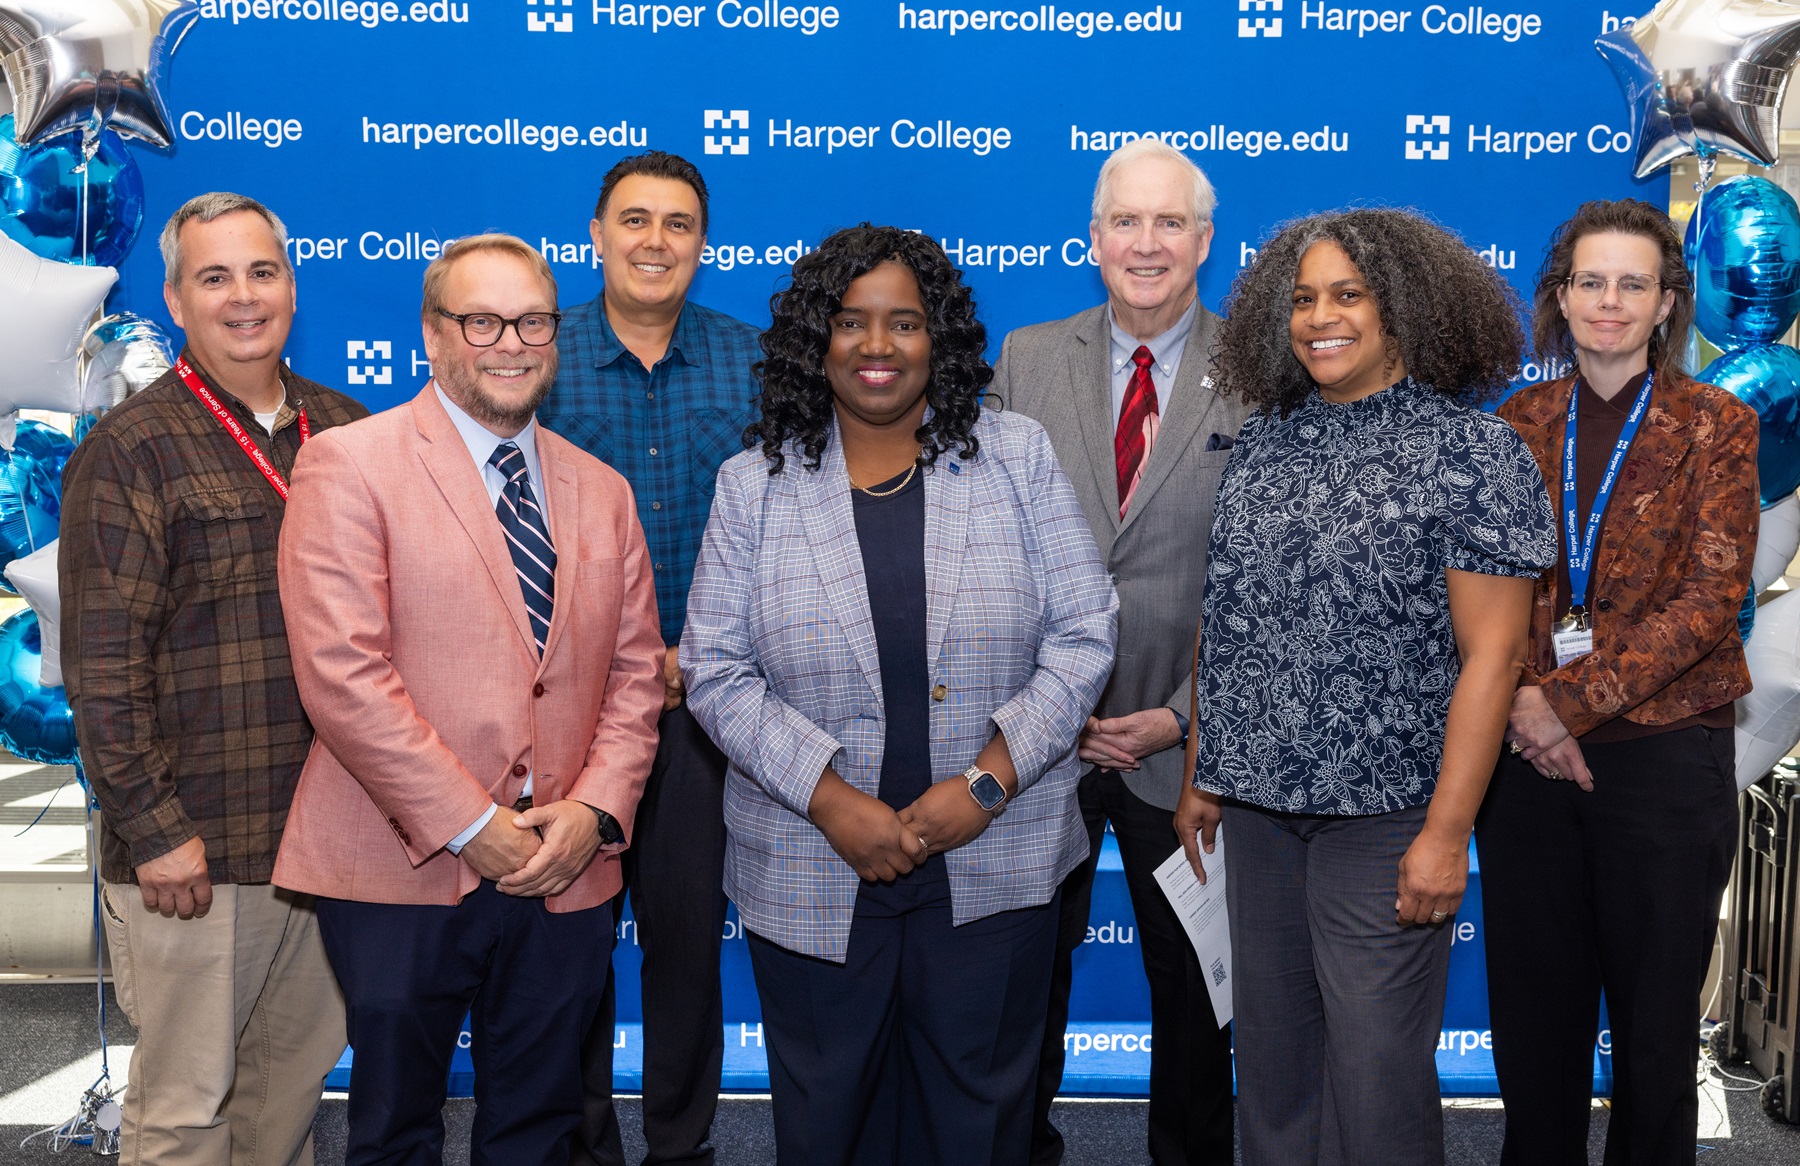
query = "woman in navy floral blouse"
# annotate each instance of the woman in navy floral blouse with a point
(1366, 619)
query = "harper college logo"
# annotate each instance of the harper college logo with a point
(542, 16)
(1427, 137)
(1259, 25)
(370, 374)
(723, 119)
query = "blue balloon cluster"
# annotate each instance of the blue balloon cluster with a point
(31, 490)
(1743, 247)
(42, 189)
(35, 722)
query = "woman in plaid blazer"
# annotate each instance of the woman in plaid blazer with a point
(898, 624)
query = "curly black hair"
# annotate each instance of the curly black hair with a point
(796, 402)
(1454, 320)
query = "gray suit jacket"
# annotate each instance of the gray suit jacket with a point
(1059, 374)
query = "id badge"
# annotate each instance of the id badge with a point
(1572, 644)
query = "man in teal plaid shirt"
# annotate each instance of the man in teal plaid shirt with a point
(660, 389)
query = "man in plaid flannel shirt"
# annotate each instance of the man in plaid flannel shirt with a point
(190, 725)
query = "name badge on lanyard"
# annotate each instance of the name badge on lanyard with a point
(1574, 635)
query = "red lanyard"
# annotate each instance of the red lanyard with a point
(255, 454)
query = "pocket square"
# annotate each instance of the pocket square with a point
(1219, 441)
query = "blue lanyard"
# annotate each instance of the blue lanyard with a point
(1581, 555)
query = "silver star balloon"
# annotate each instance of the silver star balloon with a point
(1703, 76)
(88, 64)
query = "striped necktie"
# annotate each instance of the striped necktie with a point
(527, 536)
(1138, 422)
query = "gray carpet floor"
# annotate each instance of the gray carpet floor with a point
(46, 1027)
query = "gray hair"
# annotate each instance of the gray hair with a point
(1202, 198)
(205, 208)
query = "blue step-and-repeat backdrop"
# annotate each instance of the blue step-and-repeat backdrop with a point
(380, 129)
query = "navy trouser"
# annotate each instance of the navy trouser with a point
(675, 870)
(1336, 1006)
(1619, 890)
(920, 1050)
(529, 980)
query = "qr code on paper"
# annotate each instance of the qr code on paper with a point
(1218, 972)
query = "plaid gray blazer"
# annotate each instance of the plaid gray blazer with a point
(781, 669)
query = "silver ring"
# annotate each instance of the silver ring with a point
(1555, 776)
(923, 845)
(1516, 747)
(1437, 915)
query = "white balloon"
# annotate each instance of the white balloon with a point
(1768, 719)
(34, 577)
(1777, 542)
(44, 311)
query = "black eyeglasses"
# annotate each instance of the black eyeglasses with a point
(483, 329)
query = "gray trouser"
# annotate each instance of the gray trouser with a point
(1338, 1007)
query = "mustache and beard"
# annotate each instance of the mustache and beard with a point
(462, 382)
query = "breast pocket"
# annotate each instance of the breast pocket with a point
(224, 537)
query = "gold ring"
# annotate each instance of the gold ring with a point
(1555, 776)
(923, 845)
(1439, 915)
(1516, 747)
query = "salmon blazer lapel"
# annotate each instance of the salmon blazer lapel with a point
(447, 460)
(565, 536)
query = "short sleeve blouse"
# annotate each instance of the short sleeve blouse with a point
(1327, 654)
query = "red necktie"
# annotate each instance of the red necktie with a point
(1136, 436)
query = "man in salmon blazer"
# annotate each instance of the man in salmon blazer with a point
(473, 620)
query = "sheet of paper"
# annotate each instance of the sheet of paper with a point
(1201, 909)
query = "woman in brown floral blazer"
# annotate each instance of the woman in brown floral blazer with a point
(1607, 835)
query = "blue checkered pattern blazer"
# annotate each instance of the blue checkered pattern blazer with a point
(781, 668)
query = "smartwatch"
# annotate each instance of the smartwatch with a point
(985, 788)
(611, 833)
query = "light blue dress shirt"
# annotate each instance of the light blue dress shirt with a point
(482, 443)
(1165, 352)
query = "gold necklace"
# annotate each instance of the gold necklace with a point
(911, 470)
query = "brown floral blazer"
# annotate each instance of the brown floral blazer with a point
(1673, 564)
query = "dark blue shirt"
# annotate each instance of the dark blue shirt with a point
(667, 430)
(891, 533)
(1327, 658)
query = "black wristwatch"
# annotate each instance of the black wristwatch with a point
(611, 833)
(1181, 723)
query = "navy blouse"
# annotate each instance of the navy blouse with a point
(1327, 656)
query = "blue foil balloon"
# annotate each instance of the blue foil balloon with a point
(31, 490)
(1743, 247)
(41, 192)
(1766, 377)
(35, 722)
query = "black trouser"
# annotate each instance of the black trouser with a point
(411, 973)
(919, 1049)
(1615, 890)
(675, 870)
(1190, 1055)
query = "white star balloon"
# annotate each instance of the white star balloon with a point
(44, 312)
(91, 63)
(1702, 76)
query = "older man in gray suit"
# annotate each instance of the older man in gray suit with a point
(1124, 391)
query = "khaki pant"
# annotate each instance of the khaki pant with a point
(239, 1019)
